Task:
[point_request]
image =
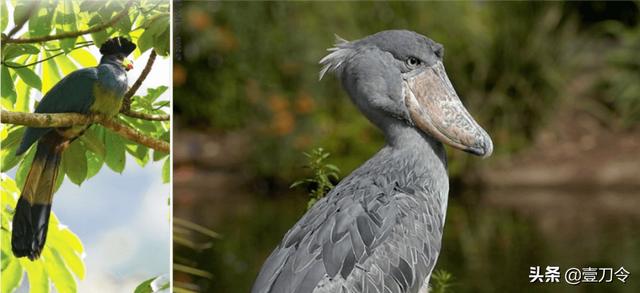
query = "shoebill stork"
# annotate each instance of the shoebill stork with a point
(380, 228)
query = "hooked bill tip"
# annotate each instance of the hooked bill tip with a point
(484, 149)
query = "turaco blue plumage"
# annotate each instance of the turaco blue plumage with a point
(380, 228)
(95, 90)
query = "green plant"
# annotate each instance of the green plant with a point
(323, 172)
(154, 285)
(62, 260)
(618, 102)
(190, 239)
(441, 281)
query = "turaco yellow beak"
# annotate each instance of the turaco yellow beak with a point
(127, 64)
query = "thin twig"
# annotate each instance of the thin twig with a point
(60, 48)
(126, 104)
(75, 34)
(71, 119)
(136, 136)
(45, 59)
(143, 75)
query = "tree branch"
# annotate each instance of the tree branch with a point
(70, 119)
(67, 35)
(145, 116)
(136, 136)
(126, 103)
(143, 75)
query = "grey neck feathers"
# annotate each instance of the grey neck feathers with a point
(412, 142)
(411, 157)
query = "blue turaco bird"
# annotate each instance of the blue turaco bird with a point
(380, 228)
(95, 90)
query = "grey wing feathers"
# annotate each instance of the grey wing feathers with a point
(372, 239)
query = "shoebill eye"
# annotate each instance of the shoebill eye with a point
(413, 62)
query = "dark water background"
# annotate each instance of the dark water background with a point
(492, 236)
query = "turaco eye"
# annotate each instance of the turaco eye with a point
(413, 61)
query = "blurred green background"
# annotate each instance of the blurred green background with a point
(557, 86)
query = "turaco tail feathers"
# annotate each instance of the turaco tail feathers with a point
(117, 45)
(31, 218)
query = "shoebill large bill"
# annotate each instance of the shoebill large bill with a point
(380, 228)
(98, 90)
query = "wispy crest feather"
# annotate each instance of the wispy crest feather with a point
(340, 52)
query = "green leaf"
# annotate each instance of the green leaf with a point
(124, 25)
(83, 57)
(115, 157)
(66, 22)
(12, 51)
(98, 37)
(145, 42)
(59, 179)
(40, 22)
(8, 157)
(166, 171)
(4, 259)
(91, 6)
(74, 162)
(154, 93)
(93, 139)
(139, 152)
(68, 245)
(158, 155)
(23, 91)
(157, 26)
(4, 16)
(37, 275)
(65, 64)
(94, 165)
(25, 165)
(7, 89)
(144, 287)
(144, 126)
(21, 11)
(161, 42)
(29, 77)
(58, 272)
(50, 74)
(11, 276)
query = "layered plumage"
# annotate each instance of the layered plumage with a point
(380, 228)
(90, 90)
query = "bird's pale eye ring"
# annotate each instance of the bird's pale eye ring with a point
(413, 61)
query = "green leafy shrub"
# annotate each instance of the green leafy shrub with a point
(323, 173)
(62, 258)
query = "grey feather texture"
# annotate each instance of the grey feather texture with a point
(380, 228)
(340, 53)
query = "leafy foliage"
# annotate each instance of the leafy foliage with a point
(189, 238)
(62, 258)
(323, 173)
(154, 285)
(29, 71)
(619, 90)
(441, 281)
(509, 76)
